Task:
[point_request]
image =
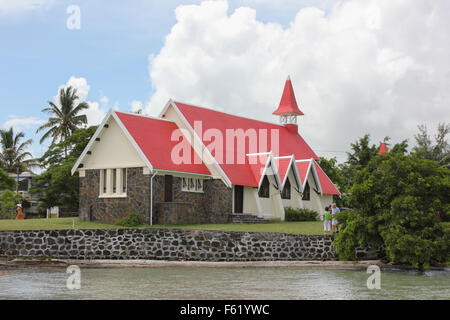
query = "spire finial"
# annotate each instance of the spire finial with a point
(383, 148)
(288, 104)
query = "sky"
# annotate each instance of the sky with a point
(357, 66)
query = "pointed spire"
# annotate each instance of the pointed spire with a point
(383, 148)
(288, 103)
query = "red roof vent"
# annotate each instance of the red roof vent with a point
(288, 103)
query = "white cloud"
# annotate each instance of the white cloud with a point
(19, 6)
(365, 66)
(104, 100)
(19, 123)
(95, 113)
(78, 83)
(136, 105)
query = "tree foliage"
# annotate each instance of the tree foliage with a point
(439, 151)
(336, 174)
(9, 201)
(14, 156)
(65, 118)
(362, 152)
(6, 182)
(56, 186)
(399, 205)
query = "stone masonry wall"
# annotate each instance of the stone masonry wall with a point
(214, 205)
(165, 244)
(109, 210)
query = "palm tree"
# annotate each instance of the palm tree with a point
(64, 119)
(13, 157)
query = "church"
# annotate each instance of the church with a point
(194, 164)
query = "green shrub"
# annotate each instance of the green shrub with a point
(396, 201)
(130, 220)
(292, 214)
(8, 203)
(446, 228)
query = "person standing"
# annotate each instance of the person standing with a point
(326, 220)
(334, 221)
(19, 215)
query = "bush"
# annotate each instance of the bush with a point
(8, 202)
(130, 220)
(401, 208)
(292, 214)
(446, 228)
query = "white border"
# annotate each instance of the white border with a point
(328, 179)
(194, 134)
(100, 130)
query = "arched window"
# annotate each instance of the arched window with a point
(264, 191)
(307, 192)
(286, 193)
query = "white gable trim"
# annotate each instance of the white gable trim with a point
(327, 177)
(145, 116)
(292, 165)
(316, 177)
(270, 159)
(314, 172)
(91, 142)
(133, 142)
(172, 103)
(101, 127)
(273, 165)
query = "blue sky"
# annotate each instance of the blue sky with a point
(111, 50)
(345, 57)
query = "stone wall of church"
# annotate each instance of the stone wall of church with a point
(213, 205)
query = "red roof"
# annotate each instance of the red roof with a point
(283, 166)
(383, 148)
(303, 167)
(241, 174)
(257, 164)
(325, 183)
(153, 137)
(327, 186)
(288, 103)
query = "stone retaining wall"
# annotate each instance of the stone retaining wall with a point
(165, 244)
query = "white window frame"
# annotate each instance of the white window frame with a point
(192, 185)
(111, 177)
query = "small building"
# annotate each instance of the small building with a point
(24, 182)
(198, 165)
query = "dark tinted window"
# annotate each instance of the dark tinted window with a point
(307, 192)
(286, 193)
(264, 191)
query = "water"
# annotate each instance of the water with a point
(221, 283)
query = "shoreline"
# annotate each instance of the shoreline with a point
(187, 264)
(324, 265)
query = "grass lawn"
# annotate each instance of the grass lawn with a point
(306, 228)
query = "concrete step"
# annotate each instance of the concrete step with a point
(247, 218)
